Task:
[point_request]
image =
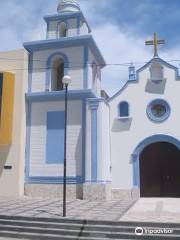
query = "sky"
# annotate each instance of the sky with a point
(120, 28)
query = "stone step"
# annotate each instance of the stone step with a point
(69, 232)
(46, 228)
(35, 236)
(91, 222)
(18, 231)
(67, 226)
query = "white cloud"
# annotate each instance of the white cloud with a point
(121, 45)
(118, 45)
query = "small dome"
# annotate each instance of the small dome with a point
(68, 6)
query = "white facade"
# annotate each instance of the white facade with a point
(105, 136)
(128, 133)
(38, 140)
(40, 59)
(66, 52)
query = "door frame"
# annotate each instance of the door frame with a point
(140, 147)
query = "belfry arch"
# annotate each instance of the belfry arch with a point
(57, 74)
(57, 66)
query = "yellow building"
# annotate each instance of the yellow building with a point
(13, 84)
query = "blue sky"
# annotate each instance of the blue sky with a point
(119, 27)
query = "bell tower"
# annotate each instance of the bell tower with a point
(68, 22)
(68, 6)
(69, 49)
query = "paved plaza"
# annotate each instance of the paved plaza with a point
(154, 210)
(144, 209)
(76, 209)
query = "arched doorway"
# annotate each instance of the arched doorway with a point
(159, 166)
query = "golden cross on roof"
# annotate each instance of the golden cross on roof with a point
(155, 42)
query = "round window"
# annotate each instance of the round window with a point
(158, 110)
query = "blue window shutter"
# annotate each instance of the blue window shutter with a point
(124, 109)
(55, 138)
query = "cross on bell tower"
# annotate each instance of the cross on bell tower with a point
(155, 42)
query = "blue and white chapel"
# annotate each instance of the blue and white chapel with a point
(126, 145)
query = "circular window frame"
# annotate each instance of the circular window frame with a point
(154, 118)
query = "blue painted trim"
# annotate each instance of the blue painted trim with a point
(30, 70)
(55, 137)
(58, 95)
(49, 67)
(98, 181)
(93, 105)
(94, 144)
(81, 40)
(58, 43)
(41, 179)
(161, 61)
(162, 118)
(83, 139)
(85, 73)
(78, 25)
(53, 180)
(157, 59)
(144, 143)
(94, 102)
(60, 17)
(121, 90)
(28, 141)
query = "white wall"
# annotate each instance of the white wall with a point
(103, 143)
(74, 54)
(84, 28)
(104, 162)
(88, 144)
(96, 85)
(71, 31)
(38, 167)
(72, 27)
(51, 34)
(127, 134)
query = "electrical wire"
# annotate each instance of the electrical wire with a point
(74, 64)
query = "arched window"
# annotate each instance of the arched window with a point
(57, 75)
(156, 71)
(123, 109)
(62, 30)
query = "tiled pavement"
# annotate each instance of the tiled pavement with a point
(4, 238)
(145, 209)
(76, 209)
(154, 210)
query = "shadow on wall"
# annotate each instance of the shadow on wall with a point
(121, 125)
(155, 87)
(78, 162)
(4, 152)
